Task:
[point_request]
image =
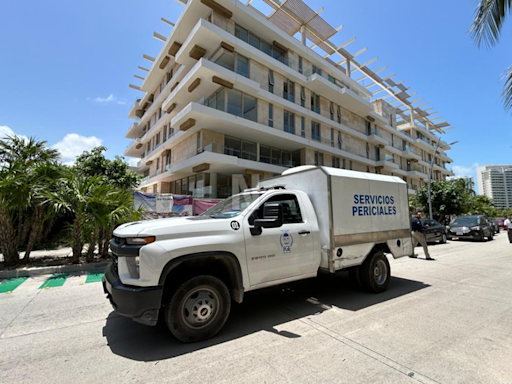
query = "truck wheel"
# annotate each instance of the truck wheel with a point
(375, 272)
(198, 309)
(354, 273)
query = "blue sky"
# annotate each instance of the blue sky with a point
(65, 67)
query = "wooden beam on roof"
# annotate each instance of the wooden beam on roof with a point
(139, 77)
(197, 52)
(148, 58)
(137, 88)
(222, 82)
(143, 69)
(164, 62)
(218, 8)
(194, 85)
(175, 47)
(187, 124)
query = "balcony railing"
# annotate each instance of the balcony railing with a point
(416, 168)
(389, 158)
(145, 178)
(333, 80)
(408, 148)
(167, 167)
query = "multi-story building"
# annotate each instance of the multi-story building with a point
(233, 97)
(470, 181)
(495, 182)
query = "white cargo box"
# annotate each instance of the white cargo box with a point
(355, 211)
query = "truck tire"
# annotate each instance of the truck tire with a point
(375, 272)
(198, 309)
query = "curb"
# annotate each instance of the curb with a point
(55, 269)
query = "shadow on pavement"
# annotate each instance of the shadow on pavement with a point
(261, 310)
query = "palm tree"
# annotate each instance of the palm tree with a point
(486, 29)
(25, 166)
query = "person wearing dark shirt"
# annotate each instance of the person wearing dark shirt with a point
(417, 234)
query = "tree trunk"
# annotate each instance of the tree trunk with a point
(35, 233)
(8, 241)
(101, 237)
(92, 245)
(77, 239)
(105, 247)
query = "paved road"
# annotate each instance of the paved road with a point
(446, 321)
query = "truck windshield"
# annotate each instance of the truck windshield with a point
(232, 206)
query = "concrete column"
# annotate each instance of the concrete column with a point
(349, 68)
(303, 34)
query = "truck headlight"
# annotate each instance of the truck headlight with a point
(475, 228)
(140, 240)
(133, 266)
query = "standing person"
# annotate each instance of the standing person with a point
(417, 234)
(508, 225)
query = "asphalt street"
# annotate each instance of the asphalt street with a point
(442, 321)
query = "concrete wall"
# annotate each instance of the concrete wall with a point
(184, 150)
(386, 110)
(223, 22)
(259, 73)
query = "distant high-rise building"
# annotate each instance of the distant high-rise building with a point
(495, 182)
(468, 179)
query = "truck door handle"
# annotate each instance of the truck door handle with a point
(304, 233)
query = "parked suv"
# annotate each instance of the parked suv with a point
(494, 224)
(434, 231)
(475, 227)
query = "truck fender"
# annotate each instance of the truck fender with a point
(229, 262)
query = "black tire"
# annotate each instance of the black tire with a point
(490, 237)
(193, 300)
(369, 280)
(481, 238)
(354, 273)
(444, 238)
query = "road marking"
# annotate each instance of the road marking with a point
(10, 285)
(94, 276)
(55, 280)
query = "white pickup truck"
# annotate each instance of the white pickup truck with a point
(310, 219)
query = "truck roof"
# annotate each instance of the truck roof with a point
(344, 173)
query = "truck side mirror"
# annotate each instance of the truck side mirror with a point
(272, 217)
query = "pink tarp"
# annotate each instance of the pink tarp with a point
(202, 205)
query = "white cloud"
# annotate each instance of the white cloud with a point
(132, 161)
(73, 144)
(463, 170)
(107, 100)
(7, 131)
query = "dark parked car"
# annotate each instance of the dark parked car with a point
(475, 227)
(494, 225)
(501, 222)
(434, 231)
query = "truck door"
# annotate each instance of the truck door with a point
(279, 253)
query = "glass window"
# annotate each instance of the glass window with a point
(241, 33)
(315, 131)
(302, 96)
(343, 163)
(232, 146)
(266, 47)
(221, 100)
(339, 114)
(332, 111)
(232, 206)
(290, 205)
(278, 54)
(368, 127)
(271, 81)
(332, 137)
(242, 65)
(340, 140)
(254, 41)
(296, 156)
(250, 111)
(275, 157)
(191, 185)
(315, 102)
(270, 115)
(302, 126)
(289, 122)
(300, 64)
(198, 142)
(286, 159)
(235, 102)
(317, 70)
(249, 151)
(198, 191)
(184, 184)
(264, 154)
(319, 159)
(164, 136)
(367, 150)
(289, 90)
(350, 164)
(177, 187)
(226, 60)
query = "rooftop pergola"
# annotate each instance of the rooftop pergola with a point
(296, 18)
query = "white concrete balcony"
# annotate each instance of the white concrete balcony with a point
(423, 144)
(133, 110)
(135, 131)
(419, 128)
(376, 138)
(416, 172)
(135, 148)
(340, 94)
(387, 162)
(409, 153)
(218, 162)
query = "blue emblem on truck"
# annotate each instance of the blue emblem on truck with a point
(286, 242)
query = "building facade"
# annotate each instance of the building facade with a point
(470, 181)
(495, 182)
(232, 99)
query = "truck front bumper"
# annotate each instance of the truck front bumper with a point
(141, 304)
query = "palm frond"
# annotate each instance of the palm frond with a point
(489, 18)
(507, 89)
